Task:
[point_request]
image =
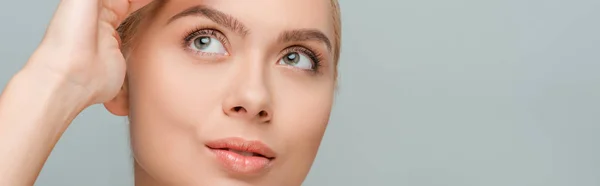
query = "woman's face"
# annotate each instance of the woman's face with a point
(227, 92)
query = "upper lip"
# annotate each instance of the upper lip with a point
(240, 144)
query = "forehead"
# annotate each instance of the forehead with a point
(266, 16)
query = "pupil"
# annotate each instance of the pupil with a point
(203, 42)
(292, 58)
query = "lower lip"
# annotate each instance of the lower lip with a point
(238, 163)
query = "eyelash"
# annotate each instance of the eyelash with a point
(315, 57)
(203, 31)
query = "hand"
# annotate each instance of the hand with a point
(81, 46)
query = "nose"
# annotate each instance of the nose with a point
(250, 99)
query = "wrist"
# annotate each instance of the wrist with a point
(35, 110)
(51, 90)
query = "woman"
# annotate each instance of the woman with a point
(217, 92)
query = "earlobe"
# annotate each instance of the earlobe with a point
(119, 105)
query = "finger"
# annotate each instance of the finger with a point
(135, 5)
(116, 11)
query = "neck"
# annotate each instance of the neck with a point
(141, 177)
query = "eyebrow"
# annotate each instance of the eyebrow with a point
(214, 15)
(305, 35)
(233, 24)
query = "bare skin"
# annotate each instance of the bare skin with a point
(218, 92)
(66, 74)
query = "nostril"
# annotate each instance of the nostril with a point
(263, 114)
(238, 109)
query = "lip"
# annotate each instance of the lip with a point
(243, 164)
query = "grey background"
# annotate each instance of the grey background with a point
(433, 93)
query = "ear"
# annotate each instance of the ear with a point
(119, 105)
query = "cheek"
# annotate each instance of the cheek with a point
(170, 87)
(169, 98)
(303, 116)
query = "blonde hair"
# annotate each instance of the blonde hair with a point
(128, 28)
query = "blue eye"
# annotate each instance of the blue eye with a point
(208, 44)
(297, 60)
